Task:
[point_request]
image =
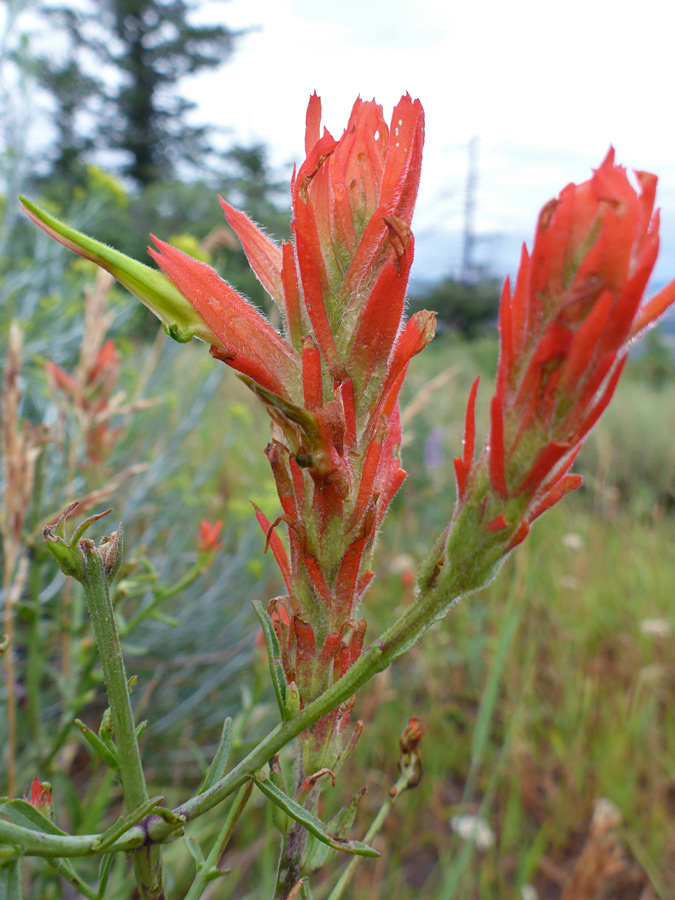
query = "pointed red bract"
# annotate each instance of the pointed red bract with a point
(564, 332)
(209, 533)
(274, 541)
(240, 328)
(263, 255)
(470, 427)
(40, 797)
(497, 468)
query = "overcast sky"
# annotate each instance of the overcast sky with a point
(546, 87)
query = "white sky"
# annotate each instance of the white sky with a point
(546, 86)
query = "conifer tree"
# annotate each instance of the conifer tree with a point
(126, 59)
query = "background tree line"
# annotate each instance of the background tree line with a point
(105, 80)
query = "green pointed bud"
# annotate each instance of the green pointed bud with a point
(292, 703)
(279, 818)
(181, 322)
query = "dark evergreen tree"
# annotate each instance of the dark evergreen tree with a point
(156, 46)
(124, 63)
(73, 93)
(466, 308)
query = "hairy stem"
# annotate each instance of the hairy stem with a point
(147, 865)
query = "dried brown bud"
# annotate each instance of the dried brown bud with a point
(111, 551)
(410, 761)
(413, 734)
(399, 235)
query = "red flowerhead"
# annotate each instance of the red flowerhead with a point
(565, 331)
(208, 536)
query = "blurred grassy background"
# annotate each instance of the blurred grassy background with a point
(547, 691)
(552, 688)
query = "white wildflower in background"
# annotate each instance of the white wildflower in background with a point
(573, 541)
(473, 828)
(656, 627)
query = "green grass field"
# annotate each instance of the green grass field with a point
(550, 690)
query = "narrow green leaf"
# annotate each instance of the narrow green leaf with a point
(217, 767)
(314, 825)
(23, 813)
(95, 801)
(104, 869)
(107, 753)
(318, 853)
(124, 823)
(169, 816)
(10, 880)
(65, 868)
(280, 820)
(306, 420)
(213, 873)
(164, 619)
(105, 731)
(195, 852)
(273, 657)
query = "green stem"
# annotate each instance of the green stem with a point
(206, 872)
(293, 845)
(147, 865)
(394, 641)
(401, 785)
(161, 594)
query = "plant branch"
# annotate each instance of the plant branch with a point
(97, 598)
(394, 641)
(397, 789)
(208, 870)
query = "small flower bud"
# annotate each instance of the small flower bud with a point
(410, 761)
(75, 557)
(208, 536)
(40, 796)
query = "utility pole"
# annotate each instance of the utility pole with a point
(468, 270)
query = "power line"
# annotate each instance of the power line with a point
(469, 238)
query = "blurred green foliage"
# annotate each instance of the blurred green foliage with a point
(33, 267)
(541, 694)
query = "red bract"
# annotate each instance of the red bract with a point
(91, 392)
(248, 342)
(209, 533)
(330, 383)
(565, 331)
(40, 796)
